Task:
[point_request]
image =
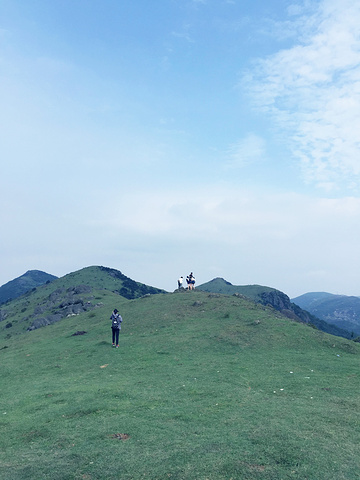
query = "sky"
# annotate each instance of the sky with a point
(220, 137)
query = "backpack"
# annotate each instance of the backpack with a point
(116, 320)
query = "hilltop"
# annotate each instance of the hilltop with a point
(257, 293)
(70, 295)
(17, 287)
(204, 386)
(278, 300)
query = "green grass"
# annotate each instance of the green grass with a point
(205, 387)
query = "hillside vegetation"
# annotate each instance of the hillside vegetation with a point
(279, 300)
(67, 296)
(72, 295)
(17, 287)
(203, 386)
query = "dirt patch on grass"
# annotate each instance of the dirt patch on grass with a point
(254, 467)
(120, 436)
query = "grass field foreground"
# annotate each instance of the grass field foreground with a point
(203, 386)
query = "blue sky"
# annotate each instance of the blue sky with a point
(158, 138)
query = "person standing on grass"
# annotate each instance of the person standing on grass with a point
(180, 282)
(190, 279)
(115, 327)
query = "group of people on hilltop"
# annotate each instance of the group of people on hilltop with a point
(190, 280)
(116, 318)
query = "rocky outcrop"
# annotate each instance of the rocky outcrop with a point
(3, 315)
(61, 304)
(275, 298)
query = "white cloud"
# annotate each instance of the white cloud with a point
(282, 240)
(312, 93)
(250, 149)
(295, 9)
(277, 239)
(184, 34)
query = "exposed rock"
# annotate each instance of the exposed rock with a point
(39, 309)
(239, 295)
(197, 304)
(42, 322)
(181, 290)
(276, 299)
(62, 303)
(80, 289)
(290, 314)
(56, 294)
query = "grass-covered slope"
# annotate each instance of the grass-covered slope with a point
(219, 285)
(17, 287)
(69, 295)
(110, 279)
(277, 299)
(204, 386)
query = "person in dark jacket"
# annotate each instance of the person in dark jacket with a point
(116, 321)
(190, 280)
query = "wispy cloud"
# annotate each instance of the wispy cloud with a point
(184, 34)
(252, 235)
(246, 151)
(245, 235)
(312, 93)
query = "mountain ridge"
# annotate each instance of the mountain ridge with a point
(76, 293)
(340, 310)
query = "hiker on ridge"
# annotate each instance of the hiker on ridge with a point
(116, 320)
(190, 279)
(180, 282)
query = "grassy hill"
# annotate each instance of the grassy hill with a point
(17, 287)
(219, 285)
(70, 295)
(277, 299)
(204, 386)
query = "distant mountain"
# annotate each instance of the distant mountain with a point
(73, 294)
(340, 310)
(17, 287)
(276, 299)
